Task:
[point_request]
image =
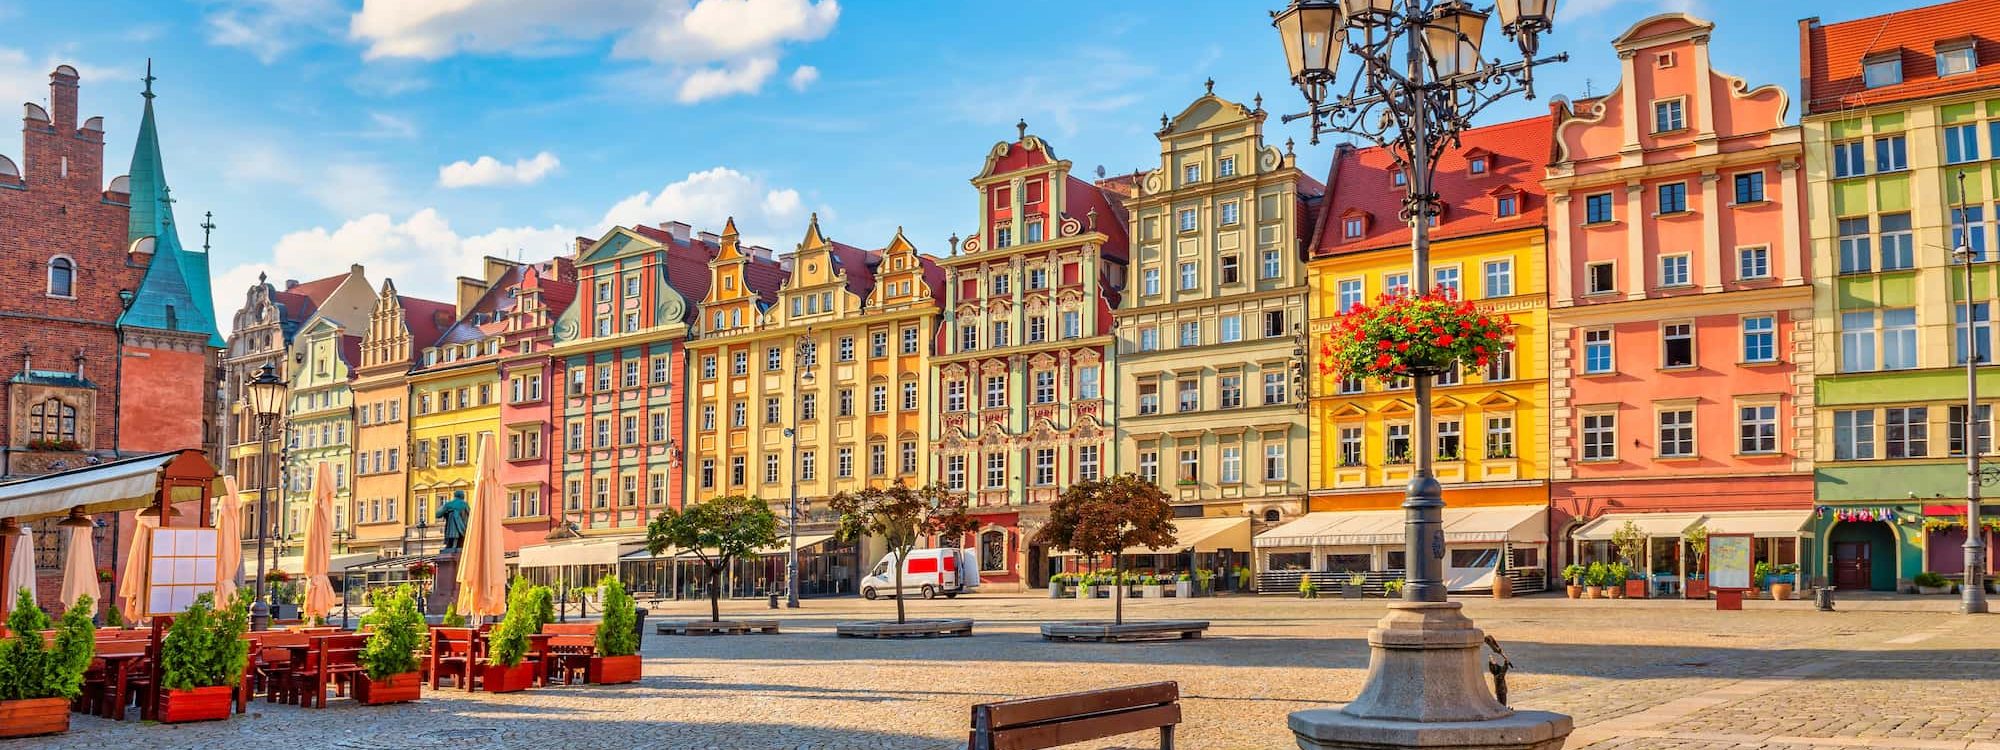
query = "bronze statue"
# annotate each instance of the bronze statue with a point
(453, 513)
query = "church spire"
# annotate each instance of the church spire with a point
(175, 294)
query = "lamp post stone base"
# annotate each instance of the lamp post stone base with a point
(1426, 688)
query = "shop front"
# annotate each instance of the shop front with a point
(1944, 538)
(1780, 538)
(1331, 546)
(574, 562)
(1218, 546)
(827, 567)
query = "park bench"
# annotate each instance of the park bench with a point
(1057, 720)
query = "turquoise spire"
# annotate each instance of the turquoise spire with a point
(175, 294)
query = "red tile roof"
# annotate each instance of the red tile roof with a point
(686, 266)
(1362, 186)
(426, 319)
(1082, 198)
(858, 264)
(294, 307)
(1831, 55)
(318, 290)
(350, 352)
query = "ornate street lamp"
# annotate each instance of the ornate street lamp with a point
(1418, 79)
(265, 395)
(802, 361)
(1973, 597)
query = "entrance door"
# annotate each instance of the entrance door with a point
(1852, 567)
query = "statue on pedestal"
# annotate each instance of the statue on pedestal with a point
(453, 513)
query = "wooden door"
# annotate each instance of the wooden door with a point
(1852, 568)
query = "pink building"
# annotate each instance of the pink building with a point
(1680, 309)
(533, 297)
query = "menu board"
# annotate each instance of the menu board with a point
(183, 567)
(1729, 561)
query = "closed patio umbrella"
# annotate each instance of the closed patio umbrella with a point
(319, 546)
(138, 562)
(80, 564)
(482, 572)
(228, 542)
(21, 567)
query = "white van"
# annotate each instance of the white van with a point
(928, 572)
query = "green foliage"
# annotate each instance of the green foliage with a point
(1631, 543)
(1696, 537)
(1393, 586)
(508, 643)
(398, 631)
(1407, 331)
(1149, 580)
(115, 618)
(1616, 574)
(452, 619)
(1308, 589)
(1183, 577)
(716, 531)
(29, 668)
(1573, 573)
(1598, 574)
(205, 647)
(542, 602)
(615, 633)
(1931, 580)
(1357, 580)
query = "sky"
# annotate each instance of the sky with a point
(416, 136)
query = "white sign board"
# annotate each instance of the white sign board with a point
(1729, 563)
(183, 567)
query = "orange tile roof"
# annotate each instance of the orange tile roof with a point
(1831, 55)
(1361, 180)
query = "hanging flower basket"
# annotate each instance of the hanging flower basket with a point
(422, 570)
(1409, 334)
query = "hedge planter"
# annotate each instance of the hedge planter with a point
(1635, 588)
(1154, 591)
(1350, 591)
(1183, 589)
(199, 704)
(1697, 589)
(614, 670)
(514, 679)
(1058, 591)
(34, 716)
(397, 688)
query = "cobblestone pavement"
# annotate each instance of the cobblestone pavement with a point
(1634, 674)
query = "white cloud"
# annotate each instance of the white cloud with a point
(22, 79)
(345, 186)
(766, 215)
(709, 48)
(385, 125)
(268, 29)
(1051, 93)
(804, 77)
(488, 171)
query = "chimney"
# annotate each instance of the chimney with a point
(785, 262)
(62, 98)
(469, 291)
(496, 268)
(289, 283)
(710, 238)
(758, 252)
(677, 230)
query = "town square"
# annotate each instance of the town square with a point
(1329, 374)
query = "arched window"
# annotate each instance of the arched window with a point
(52, 421)
(1271, 515)
(993, 551)
(62, 277)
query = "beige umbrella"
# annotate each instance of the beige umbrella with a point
(319, 546)
(138, 558)
(21, 567)
(80, 565)
(228, 542)
(482, 573)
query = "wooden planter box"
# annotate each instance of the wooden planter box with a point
(614, 670)
(1697, 589)
(499, 679)
(397, 688)
(33, 716)
(1635, 588)
(199, 704)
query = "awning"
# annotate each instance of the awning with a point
(805, 541)
(116, 485)
(1198, 534)
(1521, 524)
(1761, 523)
(1649, 524)
(296, 564)
(577, 552)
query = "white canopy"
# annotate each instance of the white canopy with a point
(116, 485)
(1523, 524)
(1761, 523)
(296, 564)
(576, 552)
(1649, 524)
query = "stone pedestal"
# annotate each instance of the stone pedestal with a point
(444, 585)
(1426, 688)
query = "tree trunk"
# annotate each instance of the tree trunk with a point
(902, 556)
(1118, 591)
(714, 594)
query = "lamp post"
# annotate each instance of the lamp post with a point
(802, 362)
(1421, 81)
(1973, 599)
(266, 395)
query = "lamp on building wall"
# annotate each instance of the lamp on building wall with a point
(266, 396)
(1417, 82)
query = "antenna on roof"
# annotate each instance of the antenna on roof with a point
(1586, 88)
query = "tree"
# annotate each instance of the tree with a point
(1697, 541)
(902, 517)
(716, 531)
(1107, 516)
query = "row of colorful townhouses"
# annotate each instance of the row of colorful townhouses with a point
(1722, 320)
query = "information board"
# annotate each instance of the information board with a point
(1729, 561)
(183, 567)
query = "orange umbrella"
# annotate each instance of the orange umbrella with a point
(482, 573)
(132, 587)
(319, 546)
(228, 542)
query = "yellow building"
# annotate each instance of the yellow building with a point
(456, 395)
(862, 324)
(398, 328)
(1487, 424)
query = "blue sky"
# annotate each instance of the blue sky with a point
(415, 136)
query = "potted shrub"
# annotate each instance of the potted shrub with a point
(507, 646)
(1393, 588)
(1356, 586)
(1631, 545)
(389, 661)
(1086, 586)
(1618, 579)
(1593, 581)
(1697, 541)
(1183, 586)
(617, 658)
(284, 595)
(1151, 588)
(202, 657)
(1931, 583)
(37, 682)
(1573, 576)
(1058, 585)
(1782, 579)
(1308, 589)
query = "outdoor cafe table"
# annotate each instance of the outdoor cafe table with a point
(119, 656)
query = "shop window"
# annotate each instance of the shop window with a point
(993, 551)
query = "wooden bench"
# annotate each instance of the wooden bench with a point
(1057, 720)
(570, 647)
(726, 627)
(332, 661)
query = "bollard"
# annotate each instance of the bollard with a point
(1823, 598)
(639, 625)
(774, 600)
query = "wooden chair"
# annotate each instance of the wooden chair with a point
(570, 649)
(1057, 720)
(453, 652)
(106, 687)
(271, 661)
(332, 662)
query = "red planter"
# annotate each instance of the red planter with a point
(199, 704)
(499, 679)
(614, 670)
(1635, 589)
(1697, 589)
(397, 688)
(27, 718)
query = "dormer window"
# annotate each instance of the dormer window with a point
(1956, 57)
(1355, 226)
(1506, 205)
(1476, 166)
(1398, 179)
(1882, 70)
